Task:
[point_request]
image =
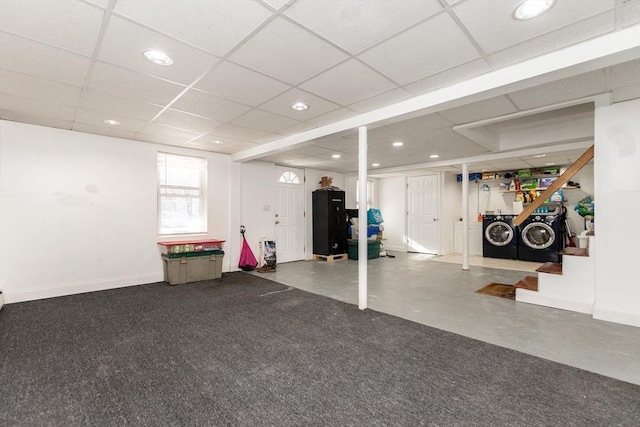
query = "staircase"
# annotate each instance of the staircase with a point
(568, 286)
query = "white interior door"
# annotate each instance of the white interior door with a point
(422, 200)
(289, 214)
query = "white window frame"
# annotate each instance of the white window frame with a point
(169, 166)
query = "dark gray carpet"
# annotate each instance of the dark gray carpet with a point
(243, 350)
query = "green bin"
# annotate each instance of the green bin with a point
(373, 248)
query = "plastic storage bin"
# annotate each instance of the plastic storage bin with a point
(192, 267)
(373, 248)
(190, 246)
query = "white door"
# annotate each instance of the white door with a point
(422, 200)
(289, 214)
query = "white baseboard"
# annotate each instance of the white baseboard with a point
(554, 301)
(31, 294)
(616, 316)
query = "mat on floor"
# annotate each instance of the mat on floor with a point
(498, 290)
(246, 351)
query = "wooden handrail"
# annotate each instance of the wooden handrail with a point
(562, 179)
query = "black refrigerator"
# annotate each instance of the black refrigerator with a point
(329, 222)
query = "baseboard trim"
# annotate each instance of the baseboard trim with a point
(616, 316)
(553, 301)
(31, 294)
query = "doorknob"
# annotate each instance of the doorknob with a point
(277, 222)
(435, 219)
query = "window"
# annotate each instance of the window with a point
(289, 177)
(369, 194)
(182, 201)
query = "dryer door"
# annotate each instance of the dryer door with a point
(499, 233)
(538, 235)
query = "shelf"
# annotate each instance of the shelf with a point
(537, 189)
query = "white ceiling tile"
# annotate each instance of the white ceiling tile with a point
(281, 105)
(215, 26)
(335, 143)
(264, 121)
(449, 77)
(180, 120)
(481, 110)
(554, 40)
(238, 133)
(313, 150)
(295, 129)
(625, 74)
(104, 131)
(355, 25)
(561, 90)
(419, 127)
(348, 82)
(287, 52)
(420, 51)
(36, 59)
(333, 116)
(209, 106)
(232, 81)
(494, 27)
(41, 109)
(33, 119)
(629, 13)
(110, 104)
(129, 84)
(626, 93)
(178, 135)
(125, 42)
(100, 3)
(70, 25)
(453, 141)
(384, 99)
(276, 4)
(39, 89)
(96, 119)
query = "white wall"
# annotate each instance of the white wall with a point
(451, 210)
(617, 219)
(79, 211)
(393, 205)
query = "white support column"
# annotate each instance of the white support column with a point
(362, 215)
(465, 216)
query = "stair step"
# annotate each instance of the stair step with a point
(575, 251)
(529, 282)
(550, 267)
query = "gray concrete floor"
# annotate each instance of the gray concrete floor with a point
(441, 295)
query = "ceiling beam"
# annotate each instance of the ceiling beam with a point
(604, 51)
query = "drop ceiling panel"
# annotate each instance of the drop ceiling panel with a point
(295, 129)
(332, 117)
(561, 90)
(281, 105)
(34, 120)
(629, 13)
(215, 26)
(39, 60)
(384, 99)
(232, 81)
(110, 104)
(209, 106)
(96, 119)
(555, 40)
(494, 28)
(349, 82)
(177, 135)
(622, 75)
(287, 52)
(44, 110)
(481, 110)
(354, 25)
(263, 121)
(128, 84)
(276, 4)
(124, 43)
(104, 131)
(419, 52)
(70, 25)
(313, 150)
(419, 127)
(452, 141)
(38, 89)
(626, 93)
(180, 120)
(449, 77)
(238, 132)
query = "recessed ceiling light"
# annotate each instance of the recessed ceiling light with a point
(550, 163)
(531, 8)
(539, 155)
(398, 144)
(335, 156)
(375, 165)
(112, 122)
(484, 170)
(218, 141)
(158, 57)
(434, 156)
(299, 106)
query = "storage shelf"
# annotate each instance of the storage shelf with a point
(537, 189)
